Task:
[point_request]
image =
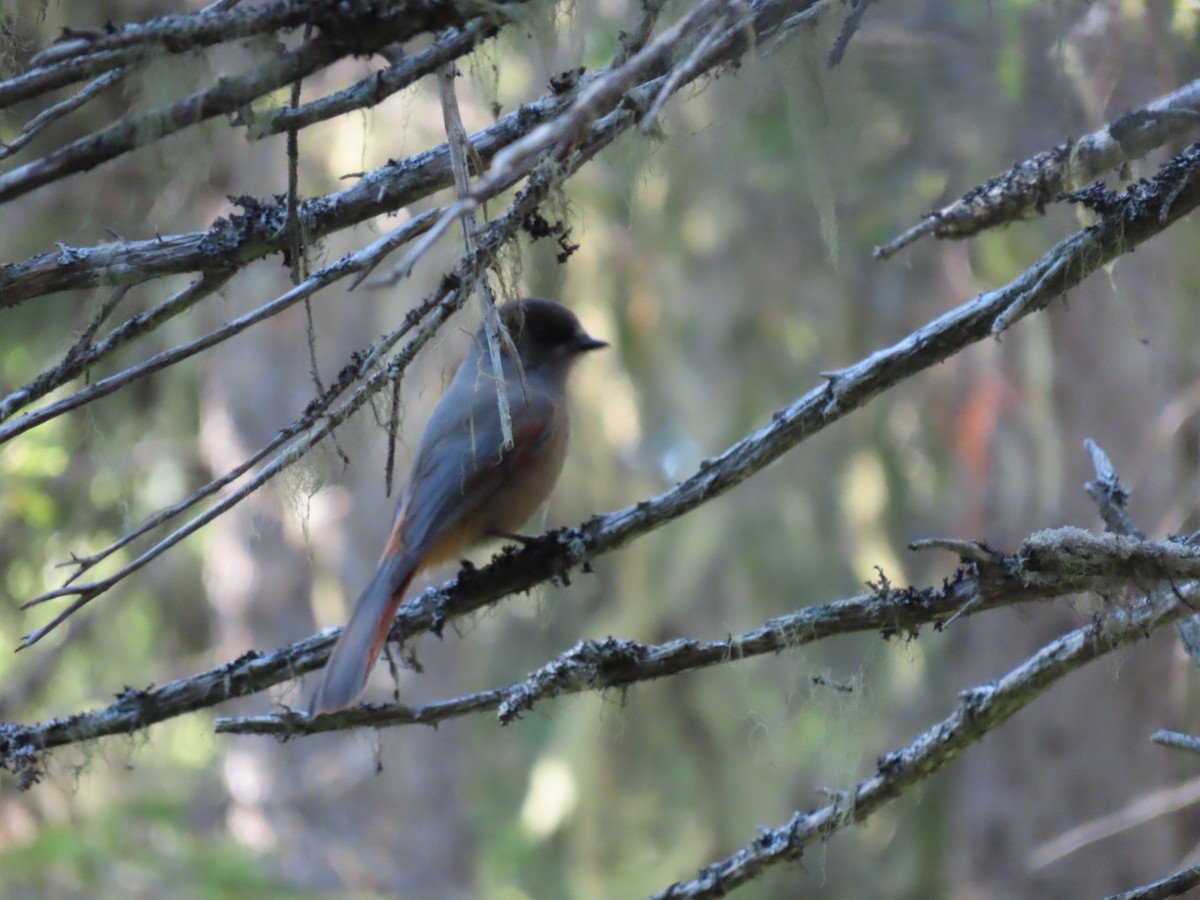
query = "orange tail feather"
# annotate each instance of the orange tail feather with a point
(363, 637)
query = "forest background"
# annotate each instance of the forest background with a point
(723, 243)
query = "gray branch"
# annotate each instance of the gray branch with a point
(1176, 740)
(1174, 885)
(1049, 564)
(1038, 571)
(1027, 187)
(981, 709)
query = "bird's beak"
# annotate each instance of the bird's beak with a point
(586, 342)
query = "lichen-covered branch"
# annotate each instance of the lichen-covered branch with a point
(981, 709)
(1048, 564)
(1029, 186)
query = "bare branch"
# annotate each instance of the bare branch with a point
(259, 231)
(177, 33)
(1136, 215)
(981, 710)
(138, 130)
(687, 69)
(1029, 186)
(1049, 564)
(849, 27)
(353, 26)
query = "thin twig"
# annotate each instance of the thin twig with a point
(1144, 809)
(687, 69)
(77, 362)
(849, 27)
(52, 114)
(1108, 494)
(598, 97)
(459, 144)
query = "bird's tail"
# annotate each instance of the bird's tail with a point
(362, 639)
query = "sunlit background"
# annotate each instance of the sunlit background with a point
(726, 257)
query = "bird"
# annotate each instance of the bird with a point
(466, 486)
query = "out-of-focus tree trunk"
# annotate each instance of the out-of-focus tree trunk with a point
(369, 811)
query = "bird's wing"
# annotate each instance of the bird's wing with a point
(458, 469)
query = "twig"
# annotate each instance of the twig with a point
(1144, 809)
(322, 278)
(81, 358)
(52, 114)
(84, 344)
(849, 27)
(1176, 740)
(687, 69)
(457, 141)
(965, 550)
(635, 39)
(1108, 495)
(598, 97)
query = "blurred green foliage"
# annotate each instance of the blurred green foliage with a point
(137, 847)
